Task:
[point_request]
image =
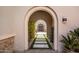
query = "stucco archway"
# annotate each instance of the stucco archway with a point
(54, 16)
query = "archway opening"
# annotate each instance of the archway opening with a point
(54, 27)
(41, 30)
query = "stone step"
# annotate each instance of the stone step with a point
(40, 46)
(41, 51)
(40, 42)
(40, 39)
(40, 36)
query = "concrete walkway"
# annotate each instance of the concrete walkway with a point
(40, 45)
(40, 51)
(40, 41)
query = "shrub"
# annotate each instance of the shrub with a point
(71, 41)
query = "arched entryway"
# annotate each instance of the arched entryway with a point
(52, 27)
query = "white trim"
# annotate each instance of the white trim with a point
(54, 16)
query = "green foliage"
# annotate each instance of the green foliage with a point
(68, 42)
(31, 28)
(75, 33)
(71, 41)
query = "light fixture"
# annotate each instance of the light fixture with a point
(64, 20)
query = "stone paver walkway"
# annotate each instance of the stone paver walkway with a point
(40, 41)
(40, 45)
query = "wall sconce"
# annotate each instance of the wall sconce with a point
(64, 20)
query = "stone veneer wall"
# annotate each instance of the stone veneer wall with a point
(6, 45)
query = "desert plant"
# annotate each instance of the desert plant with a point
(71, 41)
(68, 42)
(75, 33)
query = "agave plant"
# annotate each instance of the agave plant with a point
(68, 42)
(75, 33)
(71, 41)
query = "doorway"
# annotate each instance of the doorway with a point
(51, 32)
(40, 32)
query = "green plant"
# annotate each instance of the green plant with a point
(68, 42)
(71, 41)
(75, 33)
(31, 28)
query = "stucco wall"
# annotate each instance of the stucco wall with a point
(12, 20)
(6, 20)
(71, 13)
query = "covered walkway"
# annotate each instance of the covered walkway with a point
(41, 44)
(41, 41)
